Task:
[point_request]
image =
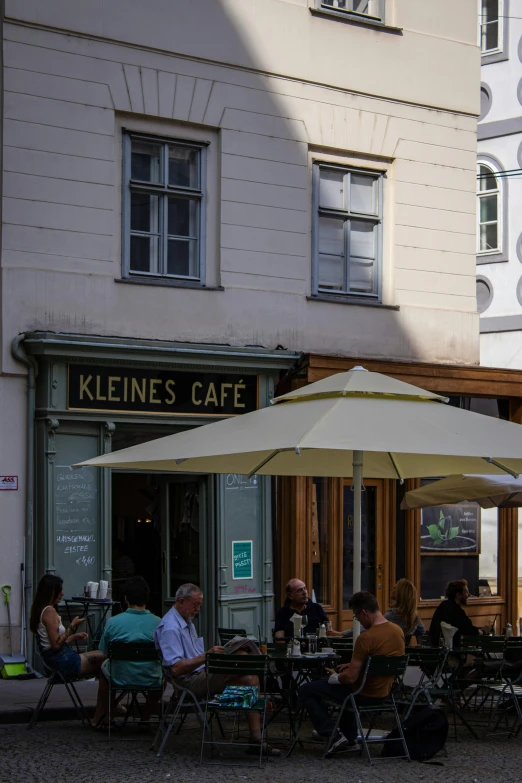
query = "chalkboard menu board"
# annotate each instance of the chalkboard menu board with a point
(76, 529)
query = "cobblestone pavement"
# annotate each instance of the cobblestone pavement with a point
(64, 752)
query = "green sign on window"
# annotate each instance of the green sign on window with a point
(242, 560)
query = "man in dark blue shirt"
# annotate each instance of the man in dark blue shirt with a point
(298, 602)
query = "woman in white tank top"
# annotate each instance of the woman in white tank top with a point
(53, 638)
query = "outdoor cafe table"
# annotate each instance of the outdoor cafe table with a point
(294, 671)
(105, 604)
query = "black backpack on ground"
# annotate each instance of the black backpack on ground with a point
(425, 732)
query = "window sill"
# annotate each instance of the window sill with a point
(166, 282)
(494, 258)
(351, 301)
(358, 19)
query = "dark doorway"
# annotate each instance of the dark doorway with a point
(136, 533)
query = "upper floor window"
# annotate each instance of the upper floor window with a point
(488, 210)
(163, 208)
(371, 8)
(347, 232)
(490, 25)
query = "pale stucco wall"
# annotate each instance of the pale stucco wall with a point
(67, 98)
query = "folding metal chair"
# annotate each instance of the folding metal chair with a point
(375, 666)
(226, 634)
(235, 666)
(135, 652)
(431, 661)
(503, 694)
(57, 678)
(183, 702)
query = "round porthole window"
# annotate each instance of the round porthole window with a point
(519, 291)
(485, 100)
(484, 294)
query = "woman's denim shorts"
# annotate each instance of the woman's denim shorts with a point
(65, 660)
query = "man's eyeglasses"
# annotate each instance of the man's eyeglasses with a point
(356, 614)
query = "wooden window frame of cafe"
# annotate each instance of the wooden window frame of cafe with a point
(295, 500)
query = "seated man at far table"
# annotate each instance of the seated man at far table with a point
(298, 602)
(380, 638)
(137, 624)
(183, 654)
(451, 611)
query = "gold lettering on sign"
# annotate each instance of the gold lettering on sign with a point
(169, 386)
(224, 395)
(152, 396)
(125, 389)
(84, 386)
(211, 395)
(195, 385)
(237, 391)
(135, 388)
(98, 392)
(111, 382)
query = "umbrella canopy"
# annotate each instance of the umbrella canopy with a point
(356, 424)
(487, 491)
(405, 432)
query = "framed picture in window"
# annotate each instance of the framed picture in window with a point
(451, 529)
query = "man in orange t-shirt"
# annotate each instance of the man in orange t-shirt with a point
(380, 637)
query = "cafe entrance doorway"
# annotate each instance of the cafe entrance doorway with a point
(156, 521)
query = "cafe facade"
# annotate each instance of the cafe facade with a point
(95, 395)
(314, 530)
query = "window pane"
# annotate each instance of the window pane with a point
(488, 237)
(320, 543)
(336, 3)
(144, 254)
(331, 272)
(361, 239)
(183, 167)
(331, 190)
(488, 209)
(183, 217)
(361, 275)
(487, 180)
(368, 541)
(144, 212)
(362, 6)
(146, 161)
(362, 194)
(331, 236)
(490, 36)
(489, 10)
(183, 258)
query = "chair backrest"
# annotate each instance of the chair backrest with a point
(221, 663)
(513, 649)
(133, 651)
(226, 634)
(387, 665)
(486, 643)
(432, 657)
(340, 643)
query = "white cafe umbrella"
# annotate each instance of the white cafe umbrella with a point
(356, 423)
(488, 491)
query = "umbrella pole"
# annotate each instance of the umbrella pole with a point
(357, 527)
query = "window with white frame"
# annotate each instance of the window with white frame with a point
(490, 25)
(370, 8)
(347, 231)
(163, 208)
(488, 211)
